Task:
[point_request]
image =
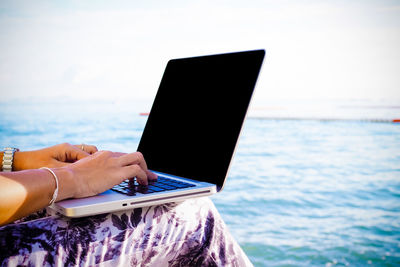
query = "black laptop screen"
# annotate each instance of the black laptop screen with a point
(197, 115)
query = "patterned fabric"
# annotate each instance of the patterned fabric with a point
(190, 233)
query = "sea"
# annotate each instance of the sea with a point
(311, 184)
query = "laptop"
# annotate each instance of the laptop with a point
(190, 135)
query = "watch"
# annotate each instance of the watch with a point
(8, 157)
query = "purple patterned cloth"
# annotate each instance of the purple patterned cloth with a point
(190, 233)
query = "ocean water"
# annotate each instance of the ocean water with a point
(299, 192)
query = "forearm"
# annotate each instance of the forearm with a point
(21, 161)
(54, 156)
(24, 192)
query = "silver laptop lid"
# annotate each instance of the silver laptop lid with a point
(197, 115)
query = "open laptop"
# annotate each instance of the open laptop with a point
(190, 135)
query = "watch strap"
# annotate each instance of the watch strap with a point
(8, 158)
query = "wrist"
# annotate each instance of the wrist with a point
(66, 183)
(20, 160)
(26, 160)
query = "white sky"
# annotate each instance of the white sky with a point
(118, 49)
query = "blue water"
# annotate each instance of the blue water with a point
(299, 192)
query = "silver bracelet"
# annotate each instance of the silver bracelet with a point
(55, 194)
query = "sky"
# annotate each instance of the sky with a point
(119, 49)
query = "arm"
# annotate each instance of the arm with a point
(54, 156)
(24, 192)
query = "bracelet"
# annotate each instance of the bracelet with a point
(55, 194)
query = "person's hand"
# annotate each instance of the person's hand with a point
(104, 169)
(52, 157)
(80, 175)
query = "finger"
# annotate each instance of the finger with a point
(90, 149)
(75, 154)
(139, 159)
(136, 171)
(87, 148)
(151, 175)
(133, 158)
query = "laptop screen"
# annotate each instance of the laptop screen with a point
(197, 115)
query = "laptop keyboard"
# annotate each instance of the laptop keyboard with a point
(131, 187)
